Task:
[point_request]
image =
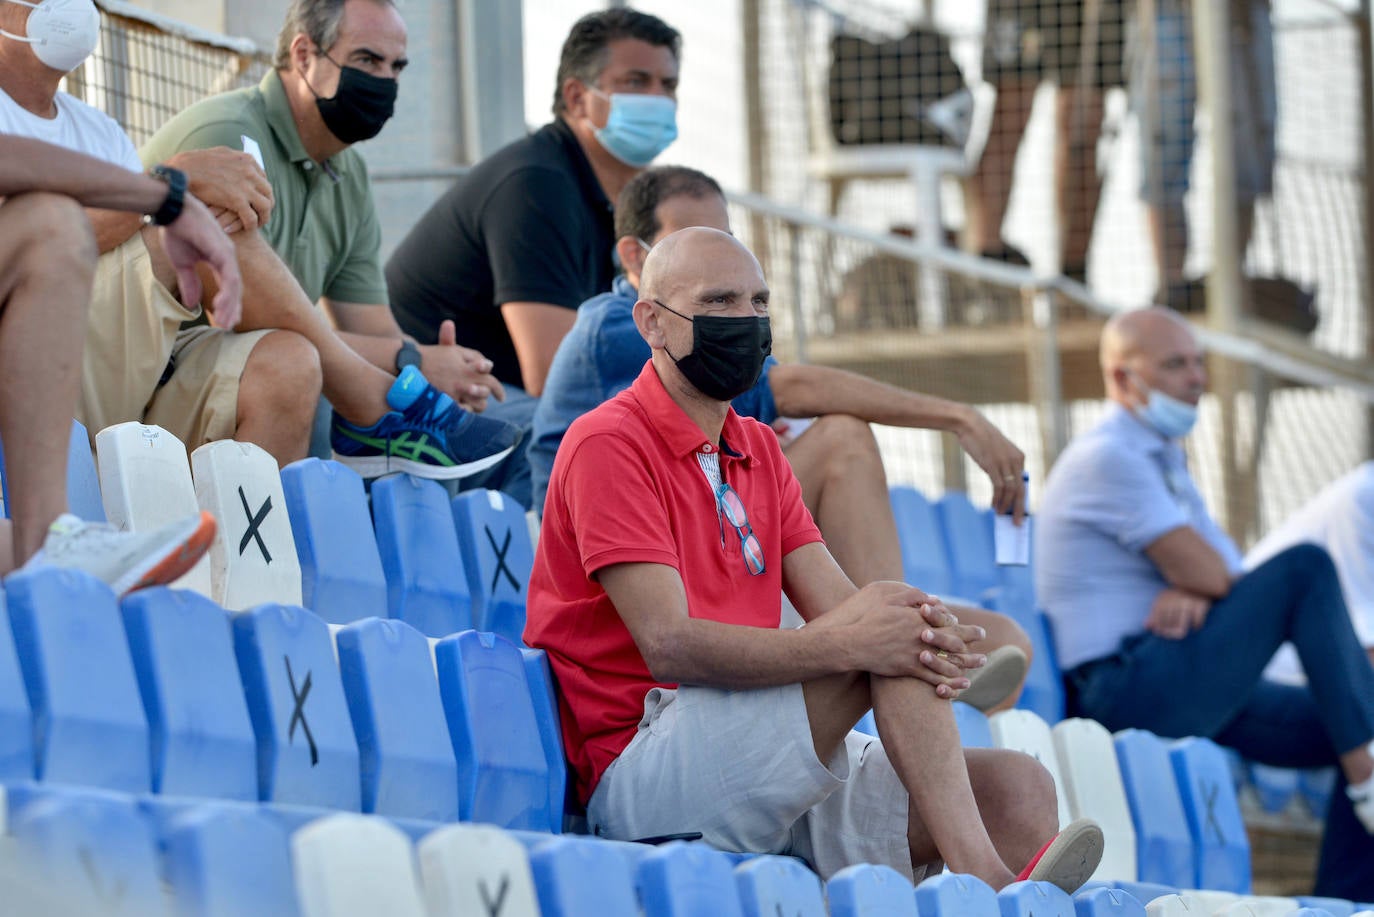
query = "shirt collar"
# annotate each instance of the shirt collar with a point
(1131, 428)
(283, 124)
(621, 286)
(678, 431)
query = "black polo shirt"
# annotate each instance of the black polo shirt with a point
(529, 223)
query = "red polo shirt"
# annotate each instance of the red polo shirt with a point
(626, 487)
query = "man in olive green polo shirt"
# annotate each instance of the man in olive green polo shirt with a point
(334, 84)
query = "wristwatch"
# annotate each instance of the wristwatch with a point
(408, 355)
(172, 204)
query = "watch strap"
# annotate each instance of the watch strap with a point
(175, 200)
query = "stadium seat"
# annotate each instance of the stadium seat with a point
(145, 482)
(1311, 912)
(91, 853)
(577, 877)
(426, 585)
(1145, 892)
(1107, 902)
(341, 572)
(228, 861)
(925, 558)
(349, 865)
(253, 557)
(684, 880)
(1043, 693)
(1275, 787)
(1022, 730)
(545, 698)
(1207, 901)
(955, 895)
(1172, 906)
(407, 761)
(771, 885)
(974, 731)
(476, 869)
(1092, 783)
(1315, 785)
(494, 538)
(183, 654)
(16, 718)
(1034, 899)
(89, 725)
(866, 890)
(1164, 844)
(307, 754)
(1259, 907)
(83, 481)
(503, 778)
(1336, 907)
(1209, 802)
(968, 537)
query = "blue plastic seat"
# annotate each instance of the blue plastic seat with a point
(183, 654)
(1145, 892)
(1315, 785)
(91, 853)
(1209, 801)
(956, 895)
(1274, 787)
(1336, 907)
(925, 558)
(968, 536)
(866, 890)
(307, 754)
(503, 776)
(1107, 902)
(407, 760)
(497, 555)
(972, 723)
(580, 877)
(545, 699)
(771, 885)
(684, 880)
(89, 726)
(83, 484)
(226, 861)
(1034, 899)
(1164, 843)
(16, 719)
(341, 571)
(1043, 693)
(425, 582)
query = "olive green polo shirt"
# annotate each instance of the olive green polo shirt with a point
(324, 223)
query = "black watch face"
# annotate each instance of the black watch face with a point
(408, 356)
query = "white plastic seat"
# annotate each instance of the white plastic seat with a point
(1024, 731)
(1092, 782)
(1259, 907)
(476, 869)
(253, 557)
(350, 865)
(145, 482)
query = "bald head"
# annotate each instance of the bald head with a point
(1148, 349)
(693, 256)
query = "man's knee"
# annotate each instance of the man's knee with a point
(54, 238)
(1016, 785)
(282, 376)
(841, 438)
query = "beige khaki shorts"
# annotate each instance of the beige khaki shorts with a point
(739, 767)
(133, 331)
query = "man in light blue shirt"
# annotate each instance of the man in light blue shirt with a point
(1154, 623)
(836, 458)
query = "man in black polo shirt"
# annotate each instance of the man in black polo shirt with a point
(512, 249)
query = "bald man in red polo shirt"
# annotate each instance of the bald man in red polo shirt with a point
(672, 527)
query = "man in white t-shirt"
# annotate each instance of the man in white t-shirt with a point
(1340, 519)
(279, 382)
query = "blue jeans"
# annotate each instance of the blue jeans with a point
(511, 475)
(1209, 684)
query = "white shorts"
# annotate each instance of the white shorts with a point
(739, 767)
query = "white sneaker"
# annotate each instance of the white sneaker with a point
(126, 560)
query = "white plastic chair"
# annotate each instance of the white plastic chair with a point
(1024, 731)
(476, 869)
(350, 865)
(1092, 782)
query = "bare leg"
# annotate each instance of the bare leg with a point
(1077, 185)
(844, 485)
(273, 299)
(278, 392)
(921, 741)
(47, 262)
(989, 187)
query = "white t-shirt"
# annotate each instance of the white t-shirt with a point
(77, 126)
(1340, 519)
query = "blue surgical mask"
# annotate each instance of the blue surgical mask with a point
(1168, 416)
(640, 127)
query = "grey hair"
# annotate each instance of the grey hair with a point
(318, 20)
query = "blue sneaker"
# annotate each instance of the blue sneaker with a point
(427, 434)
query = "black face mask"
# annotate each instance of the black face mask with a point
(727, 353)
(361, 105)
